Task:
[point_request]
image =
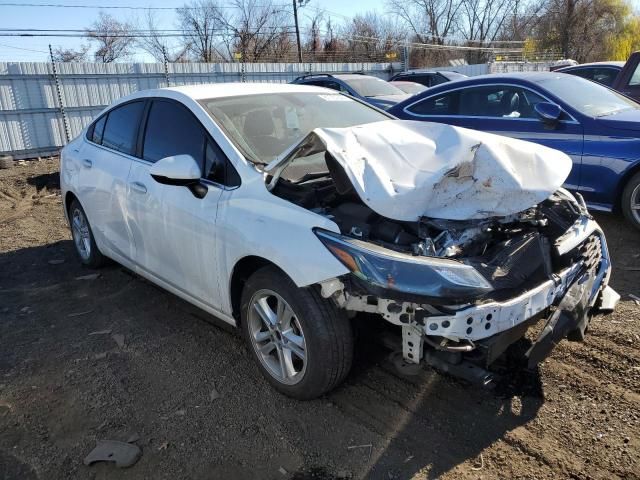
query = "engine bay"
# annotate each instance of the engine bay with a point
(508, 251)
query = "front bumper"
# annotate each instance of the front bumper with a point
(477, 322)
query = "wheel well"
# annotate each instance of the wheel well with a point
(246, 267)
(623, 183)
(70, 197)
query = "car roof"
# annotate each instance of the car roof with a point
(490, 78)
(594, 64)
(533, 77)
(405, 82)
(216, 90)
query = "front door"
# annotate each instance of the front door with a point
(175, 230)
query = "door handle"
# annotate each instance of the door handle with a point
(138, 187)
(87, 163)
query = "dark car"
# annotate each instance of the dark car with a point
(596, 126)
(601, 72)
(428, 78)
(408, 87)
(373, 90)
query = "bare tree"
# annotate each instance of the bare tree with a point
(430, 21)
(313, 45)
(69, 55)
(371, 36)
(113, 37)
(580, 29)
(261, 30)
(154, 43)
(481, 22)
(202, 29)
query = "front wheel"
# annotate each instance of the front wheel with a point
(302, 343)
(631, 200)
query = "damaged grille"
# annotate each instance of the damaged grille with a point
(591, 252)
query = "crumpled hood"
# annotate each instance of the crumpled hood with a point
(405, 170)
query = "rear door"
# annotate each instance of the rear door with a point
(175, 230)
(504, 110)
(106, 159)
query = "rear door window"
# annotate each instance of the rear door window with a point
(446, 104)
(121, 129)
(96, 131)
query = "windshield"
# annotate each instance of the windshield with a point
(587, 97)
(263, 126)
(372, 86)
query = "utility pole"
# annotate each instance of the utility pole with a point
(295, 16)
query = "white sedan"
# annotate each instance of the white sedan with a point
(289, 209)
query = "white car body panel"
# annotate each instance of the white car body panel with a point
(187, 245)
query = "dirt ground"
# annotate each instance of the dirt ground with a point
(112, 357)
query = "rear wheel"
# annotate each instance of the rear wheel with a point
(631, 200)
(303, 343)
(83, 239)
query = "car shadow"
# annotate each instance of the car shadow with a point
(50, 181)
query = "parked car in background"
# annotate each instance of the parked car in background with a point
(428, 78)
(596, 126)
(601, 72)
(373, 90)
(628, 80)
(408, 87)
(251, 202)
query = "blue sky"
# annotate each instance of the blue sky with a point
(34, 49)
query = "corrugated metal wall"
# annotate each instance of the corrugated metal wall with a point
(30, 119)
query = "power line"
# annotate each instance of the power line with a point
(21, 48)
(118, 7)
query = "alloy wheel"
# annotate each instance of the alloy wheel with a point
(277, 337)
(81, 233)
(635, 203)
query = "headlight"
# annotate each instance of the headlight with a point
(388, 269)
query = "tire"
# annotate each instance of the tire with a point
(631, 201)
(316, 328)
(6, 162)
(83, 239)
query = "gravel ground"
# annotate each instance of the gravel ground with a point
(111, 357)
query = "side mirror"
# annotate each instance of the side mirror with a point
(181, 170)
(549, 113)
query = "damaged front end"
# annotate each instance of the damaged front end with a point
(466, 284)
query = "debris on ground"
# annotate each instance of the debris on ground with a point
(283, 471)
(119, 339)
(101, 332)
(123, 454)
(91, 276)
(635, 299)
(163, 446)
(79, 314)
(214, 394)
